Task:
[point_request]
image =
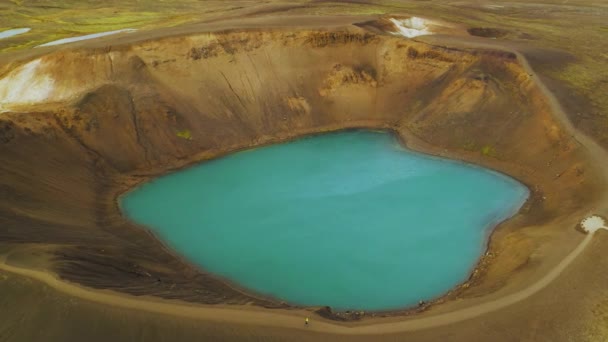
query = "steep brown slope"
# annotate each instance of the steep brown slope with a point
(111, 118)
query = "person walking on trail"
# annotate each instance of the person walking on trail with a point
(306, 321)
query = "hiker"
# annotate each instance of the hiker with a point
(306, 321)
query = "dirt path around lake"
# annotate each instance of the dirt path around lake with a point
(293, 319)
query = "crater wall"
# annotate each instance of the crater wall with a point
(81, 126)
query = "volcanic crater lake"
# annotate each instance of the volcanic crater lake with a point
(351, 220)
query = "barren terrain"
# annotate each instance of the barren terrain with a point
(81, 124)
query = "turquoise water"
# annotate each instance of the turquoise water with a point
(351, 220)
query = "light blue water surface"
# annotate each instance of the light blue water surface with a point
(351, 220)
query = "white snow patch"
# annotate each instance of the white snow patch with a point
(593, 223)
(27, 84)
(411, 27)
(13, 32)
(88, 36)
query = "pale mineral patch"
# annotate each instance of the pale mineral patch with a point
(85, 37)
(593, 223)
(13, 32)
(411, 27)
(27, 84)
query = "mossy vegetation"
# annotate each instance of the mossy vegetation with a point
(52, 20)
(488, 151)
(185, 134)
